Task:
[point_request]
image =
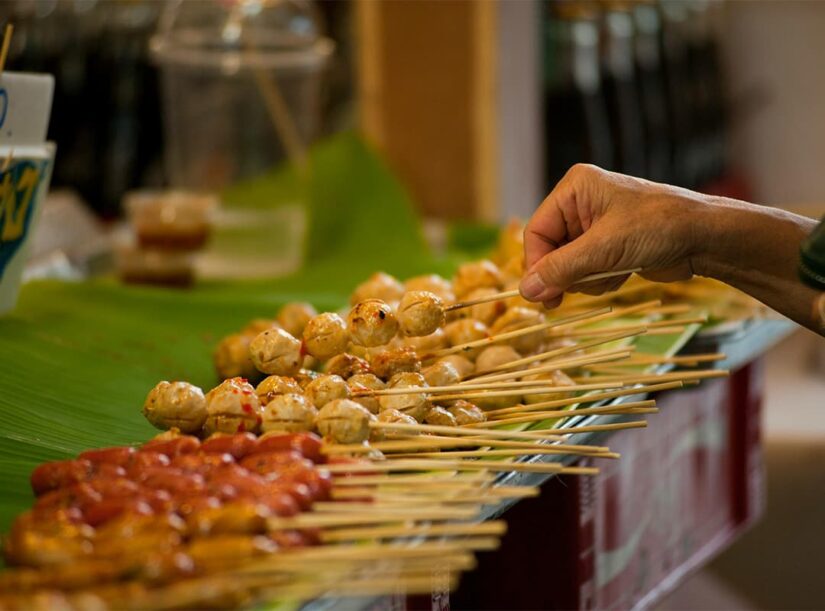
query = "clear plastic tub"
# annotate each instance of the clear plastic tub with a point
(241, 83)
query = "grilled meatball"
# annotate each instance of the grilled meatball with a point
(276, 352)
(232, 407)
(231, 358)
(290, 413)
(344, 421)
(466, 413)
(371, 323)
(294, 316)
(550, 378)
(326, 388)
(414, 404)
(387, 363)
(420, 313)
(346, 365)
(395, 416)
(476, 275)
(494, 356)
(441, 373)
(428, 343)
(462, 364)
(325, 336)
(432, 283)
(466, 330)
(378, 286)
(440, 417)
(519, 318)
(483, 312)
(272, 386)
(176, 404)
(366, 381)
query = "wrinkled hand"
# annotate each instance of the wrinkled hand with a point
(598, 221)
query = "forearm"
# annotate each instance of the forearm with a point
(756, 249)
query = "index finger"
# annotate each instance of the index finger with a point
(545, 232)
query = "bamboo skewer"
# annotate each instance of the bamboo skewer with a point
(660, 324)
(500, 337)
(543, 356)
(635, 407)
(423, 493)
(459, 465)
(4, 49)
(639, 358)
(540, 416)
(326, 520)
(432, 480)
(516, 293)
(520, 409)
(493, 527)
(617, 313)
(431, 442)
(534, 386)
(593, 428)
(454, 430)
(493, 453)
(683, 376)
(603, 356)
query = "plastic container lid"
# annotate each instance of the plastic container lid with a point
(234, 34)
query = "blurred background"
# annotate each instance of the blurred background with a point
(478, 108)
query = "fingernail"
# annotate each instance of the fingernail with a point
(532, 287)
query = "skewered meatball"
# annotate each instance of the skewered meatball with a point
(428, 343)
(366, 381)
(290, 413)
(462, 364)
(325, 336)
(378, 286)
(479, 274)
(441, 373)
(272, 386)
(231, 358)
(466, 330)
(495, 402)
(550, 378)
(258, 325)
(420, 313)
(395, 416)
(371, 323)
(346, 365)
(440, 416)
(414, 404)
(434, 284)
(176, 404)
(387, 363)
(466, 413)
(326, 388)
(494, 356)
(483, 312)
(304, 377)
(232, 407)
(276, 352)
(344, 421)
(510, 242)
(294, 316)
(519, 318)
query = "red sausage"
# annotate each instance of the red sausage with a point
(307, 444)
(300, 493)
(108, 471)
(146, 459)
(279, 503)
(174, 481)
(318, 482)
(52, 475)
(238, 445)
(120, 455)
(189, 505)
(185, 444)
(76, 495)
(272, 463)
(201, 463)
(107, 509)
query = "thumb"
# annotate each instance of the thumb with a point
(556, 271)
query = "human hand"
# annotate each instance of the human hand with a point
(599, 221)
